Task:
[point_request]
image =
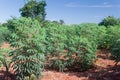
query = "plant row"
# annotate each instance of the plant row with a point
(58, 46)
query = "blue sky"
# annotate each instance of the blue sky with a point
(71, 11)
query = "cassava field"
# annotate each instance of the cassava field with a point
(33, 48)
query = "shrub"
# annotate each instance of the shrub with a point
(81, 46)
(5, 61)
(55, 44)
(3, 34)
(55, 40)
(108, 36)
(112, 35)
(110, 21)
(102, 37)
(27, 39)
(71, 45)
(90, 31)
(116, 51)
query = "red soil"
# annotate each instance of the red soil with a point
(5, 45)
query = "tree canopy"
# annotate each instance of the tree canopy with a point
(109, 21)
(34, 9)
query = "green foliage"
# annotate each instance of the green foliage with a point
(76, 40)
(116, 51)
(63, 46)
(55, 38)
(3, 61)
(34, 9)
(55, 44)
(26, 39)
(110, 37)
(2, 58)
(82, 43)
(90, 31)
(102, 40)
(110, 21)
(3, 34)
(83, 50)
(32, 77)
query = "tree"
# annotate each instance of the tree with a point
(58, 22)
(55, 22)
(61, 21)
(109, 21)
(34, 9)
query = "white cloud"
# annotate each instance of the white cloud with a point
(72, 4)
(103, 5)
(100, 6)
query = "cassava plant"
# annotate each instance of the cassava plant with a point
(71, 45)
(3, 34)
(112, 35)
(55, 40)
(81, 47)
(5, 61)
(27, 39)
(116, 51)
(55, 45)
(108, 36)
